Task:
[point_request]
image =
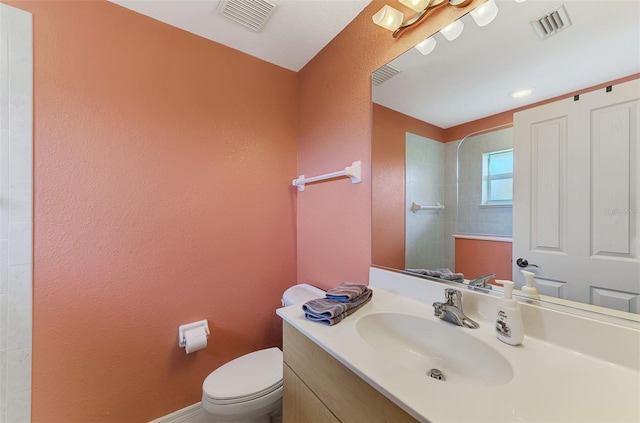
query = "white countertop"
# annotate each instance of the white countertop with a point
(550, 382)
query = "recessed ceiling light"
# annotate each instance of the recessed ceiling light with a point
(521, 93)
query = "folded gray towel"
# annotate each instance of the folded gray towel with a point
(331, 312)
(346, 292)
(439, 273)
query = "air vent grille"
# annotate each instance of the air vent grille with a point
(250, 13)
(551, 23)
(383, 73)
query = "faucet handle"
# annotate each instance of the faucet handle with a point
(453, 296)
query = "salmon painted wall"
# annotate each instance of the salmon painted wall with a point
(475, 258)
(334, 218)
(163, 165)
(388, 182)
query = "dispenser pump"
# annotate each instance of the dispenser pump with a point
(529, 289)
(508, 289)
(508, 293)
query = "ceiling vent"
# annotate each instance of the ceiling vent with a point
(250, 13)
(551, 23)
(384, 73)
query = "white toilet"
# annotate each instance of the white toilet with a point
(248, 389)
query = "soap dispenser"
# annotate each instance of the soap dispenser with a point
(509, 326)
(529, 289)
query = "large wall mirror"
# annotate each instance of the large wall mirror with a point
(471, 178)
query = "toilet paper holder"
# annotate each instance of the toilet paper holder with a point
(182, 340)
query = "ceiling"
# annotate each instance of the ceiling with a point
(472, 77)
(291, 37)
(461, 80)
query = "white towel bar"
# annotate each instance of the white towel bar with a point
(416, 207)
(354, 172)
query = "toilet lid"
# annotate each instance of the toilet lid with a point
(248, 377)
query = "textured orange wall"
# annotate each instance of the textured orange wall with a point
(475, 258)
(334, 218)
(163, 165)
(388, 182)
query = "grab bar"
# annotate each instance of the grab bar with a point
(416, 207)
(354, 172)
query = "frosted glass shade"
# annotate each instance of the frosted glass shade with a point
(388, 18)
(485, 13)
(426, 46)
(416, 5)
(453, 30)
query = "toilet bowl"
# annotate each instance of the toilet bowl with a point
(248, 389)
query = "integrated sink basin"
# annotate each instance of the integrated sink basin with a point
(418, 344)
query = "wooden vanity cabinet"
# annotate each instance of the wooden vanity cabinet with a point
(319, 389)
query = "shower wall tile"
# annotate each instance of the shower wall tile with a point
(3, 328)
(19, 406)
(473, 218)
(18, 370)
(20, 247)
(19, 289)
(3, 386)
(19, 327)
(16, 212)
(20, 200)
(4, 279)
(425, 236)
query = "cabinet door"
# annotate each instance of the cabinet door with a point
(300, 405)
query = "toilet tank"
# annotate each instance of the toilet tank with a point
(300, 294)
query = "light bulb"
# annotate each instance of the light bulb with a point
(415, 5)
(485, 13)
(453, 30)
(388, 18)
(426, 46)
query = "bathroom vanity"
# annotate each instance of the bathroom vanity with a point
(377, 364)
(318, 388)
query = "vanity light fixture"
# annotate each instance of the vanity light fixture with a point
(393, 19)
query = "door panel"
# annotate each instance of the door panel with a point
(548, 186)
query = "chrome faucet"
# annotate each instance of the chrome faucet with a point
(451, 311)
(481, 282)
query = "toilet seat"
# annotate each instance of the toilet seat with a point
(252, 376)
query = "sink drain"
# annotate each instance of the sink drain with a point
(436, 374)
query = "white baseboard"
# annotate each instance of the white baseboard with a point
(191, 414)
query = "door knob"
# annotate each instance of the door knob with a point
(524, 263)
